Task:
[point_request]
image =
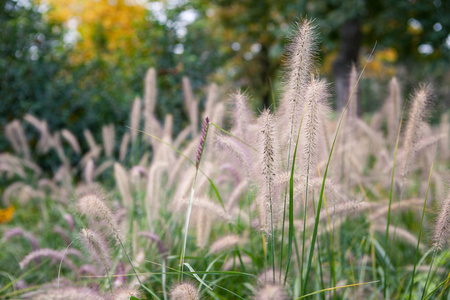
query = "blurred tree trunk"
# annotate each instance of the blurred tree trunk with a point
(350, 39)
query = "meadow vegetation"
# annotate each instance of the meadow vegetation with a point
(294, 202)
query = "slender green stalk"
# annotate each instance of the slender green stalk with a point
(291, 201)
(284, 211)
(272, 238)
(319, 206)
(304, 227)
(389, 208)
(188, 213)
(421, 224)
(428, 276)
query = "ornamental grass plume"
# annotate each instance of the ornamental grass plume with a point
(16, 137)
(267, 169)
(44, 142)
(225, 243)
(204, 222)
(69, 293)
(72, 140)
(124, 146)
(92, 205)
(184, 291)
(151, 124)
(108, 139)
(393, 107)
(135, 118)
(416, 115)
(97, 247)
(123, 182)
(17, 231)
(126, 293)
(316, 109)
(242, 115)
(58, 256)
(236, 151)
(442, 227)
(88, 172)
(211, 100)
(270, 292)
(299, 62)
(191, 105)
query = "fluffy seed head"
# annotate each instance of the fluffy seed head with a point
(442, 227)
(96, 247)
(224, 243)
(316, 110)
(299, 63)
(92, 205)
(124, 146)
(394, 107)
(49, 253)
(123, 182)
(108, 139)
(270, 292)
(68, 293)
(72, 140)
(242, 114)
(184, 291)
(267, 204)
(135, 118)
(416, 116)
(126, 293)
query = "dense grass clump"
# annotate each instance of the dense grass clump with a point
(289, 204)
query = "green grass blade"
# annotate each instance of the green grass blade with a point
(390, 204)
(421, 226)
(196, 275)
(319, 206)
(335, 288)
(291, 201)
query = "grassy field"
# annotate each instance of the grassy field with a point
(298, 202)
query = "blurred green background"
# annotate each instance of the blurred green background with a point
(80, 63)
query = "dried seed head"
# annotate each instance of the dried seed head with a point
(72, 140)
(268, 202)
(270, 292)
(416, 116)
(241, 114)
(96, 247)
(123, 182)
(191, 105)
(68, 293)
(135, 118)
(126, 293)
(299, 63)
(442, 227)
(316, 110)
(92, 205)
(58, 256)
(224, 243)
(184, 291)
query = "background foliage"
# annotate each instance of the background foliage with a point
(80, 63)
